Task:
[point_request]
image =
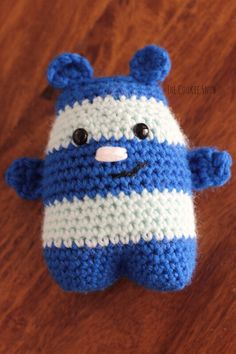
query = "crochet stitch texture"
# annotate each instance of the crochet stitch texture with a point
(127, 210)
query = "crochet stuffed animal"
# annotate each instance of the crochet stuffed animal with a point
(118, 178)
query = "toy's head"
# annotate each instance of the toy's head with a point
(110, 130)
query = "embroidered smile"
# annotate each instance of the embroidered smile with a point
(130, 173)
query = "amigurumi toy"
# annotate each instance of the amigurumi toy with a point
(117, 179)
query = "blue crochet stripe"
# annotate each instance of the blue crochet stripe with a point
(74, 172)
(101, 87)
(159, 265)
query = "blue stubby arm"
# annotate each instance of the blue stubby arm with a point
(209, 167)
(25, 176)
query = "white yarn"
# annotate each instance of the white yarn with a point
(115, 118)
(124, 218)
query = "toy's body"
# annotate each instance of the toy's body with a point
(117, 179)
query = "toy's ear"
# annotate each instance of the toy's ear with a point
(68, 68)
(150, 64)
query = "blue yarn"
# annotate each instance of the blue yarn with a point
(158, 265)
(68, 68)
(25, 175)
(73, 171)
(70, 172)
(116, 86)
(209, 167)
(150, 64)
(73, 73)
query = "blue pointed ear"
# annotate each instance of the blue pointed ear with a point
(68, 68)
(150, 64)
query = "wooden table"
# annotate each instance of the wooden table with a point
(35, 315)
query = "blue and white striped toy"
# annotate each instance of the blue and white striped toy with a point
(117, 179)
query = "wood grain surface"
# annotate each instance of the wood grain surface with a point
(35, 315)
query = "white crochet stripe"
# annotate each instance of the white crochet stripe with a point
(115, 118)
(122, 219)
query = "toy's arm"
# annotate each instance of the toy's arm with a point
(209, 167)
(25, 175)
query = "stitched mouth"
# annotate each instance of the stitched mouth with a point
(130, 173)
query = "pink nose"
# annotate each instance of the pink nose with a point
(111, 154)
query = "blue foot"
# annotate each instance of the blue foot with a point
(84, 269)
(162, 265)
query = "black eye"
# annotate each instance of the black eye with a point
(80, 136)
(141, 130)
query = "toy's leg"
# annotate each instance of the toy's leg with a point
(84, 269)
(162, 265)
